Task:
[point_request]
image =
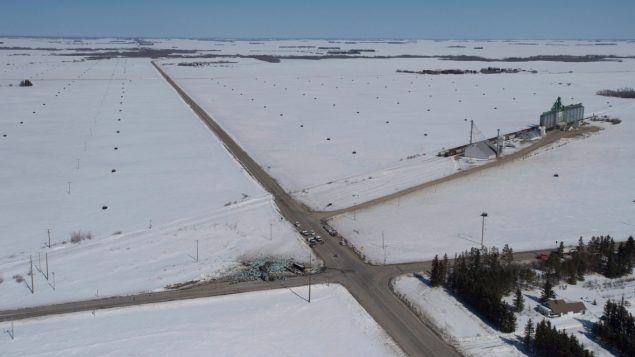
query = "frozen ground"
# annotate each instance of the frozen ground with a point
(470, 334)
(528, 208)
(310, 127)
(151, 259)
(176, 172)
(342, 131)
(333, 324)
(107, 147)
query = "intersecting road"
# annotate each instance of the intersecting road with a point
(369, 284)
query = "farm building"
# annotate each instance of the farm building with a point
(557, 308)
(561, 116)
(482, 150)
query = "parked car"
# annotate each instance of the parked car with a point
(330, 230)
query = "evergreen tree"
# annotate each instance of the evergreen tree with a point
(616, 328)
(519, 300)
(480, 281)
(445, 265)
(553, 266)
(547, 291)
(630, 248)
(561, 249)
(507, 254)
(435, 273)
(549, 342)
(529, 331)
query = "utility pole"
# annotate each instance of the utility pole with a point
(471, 130)
(484, 214)
(356, 195)
(310, 273)
(49, 234)
(46, 257)
(11, 332)
(383, 245)
(32, 280)
(498, 143)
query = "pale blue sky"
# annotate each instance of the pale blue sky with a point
(564, 19)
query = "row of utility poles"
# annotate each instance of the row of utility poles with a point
(50, 278)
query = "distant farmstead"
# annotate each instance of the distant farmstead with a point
(557, 308)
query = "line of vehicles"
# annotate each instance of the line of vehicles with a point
(311, 237)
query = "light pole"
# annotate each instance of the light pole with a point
(484, 214)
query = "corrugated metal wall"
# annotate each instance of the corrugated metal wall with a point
(568, 115)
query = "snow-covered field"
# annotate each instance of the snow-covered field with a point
(470, 334)
(335, 132)
(528, 208)
(342, 131)
(281, 323)
(108, 147)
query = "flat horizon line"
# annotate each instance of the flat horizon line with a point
(239, 38)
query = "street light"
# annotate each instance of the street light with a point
(484, 214)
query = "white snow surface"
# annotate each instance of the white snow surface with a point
(342, 131)
(528, 208)
(168, 169)
(174, 184)
(151, 259)
(333, 324)
(459, 326)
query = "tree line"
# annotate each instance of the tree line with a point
(619, 93)
(544, 340)
(480, 278)
(616, 328)
(601, 255)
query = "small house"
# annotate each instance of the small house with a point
(558, 308)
